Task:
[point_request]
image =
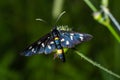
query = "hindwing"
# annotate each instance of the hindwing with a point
(44, 45)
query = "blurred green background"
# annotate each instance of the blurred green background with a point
(18, 28)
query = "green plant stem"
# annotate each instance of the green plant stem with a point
(114, 33)
(98, 65)
(90, 5)
(109, 26)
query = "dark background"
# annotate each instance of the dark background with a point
(18, 28)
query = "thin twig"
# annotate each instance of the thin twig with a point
(100, 20)
(90, 5)
(106, 11)
(98, 65)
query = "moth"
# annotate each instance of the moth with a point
(58, 38)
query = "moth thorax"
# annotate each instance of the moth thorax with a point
(64, 28)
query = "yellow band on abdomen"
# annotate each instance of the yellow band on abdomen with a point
(59, 51)
(56, 38)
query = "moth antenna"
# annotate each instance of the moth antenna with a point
(61, 14)
(38, 19)
(42, 20)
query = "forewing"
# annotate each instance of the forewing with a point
(69, 39)
(50, 46)
(40, 46)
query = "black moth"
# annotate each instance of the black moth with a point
(57, 39)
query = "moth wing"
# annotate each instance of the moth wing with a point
(50, 46)
(40, 46)
(69, 39)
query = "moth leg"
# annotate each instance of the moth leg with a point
(55, 56)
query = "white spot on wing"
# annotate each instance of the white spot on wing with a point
(71, 34)
(80, 34)
(43, 45)
(71, 37)
(49, 47)
(33, 50)
(30, 47)
(39, 42)
(81, 38)
(62, 39)
(67, 43)
(51, 42)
